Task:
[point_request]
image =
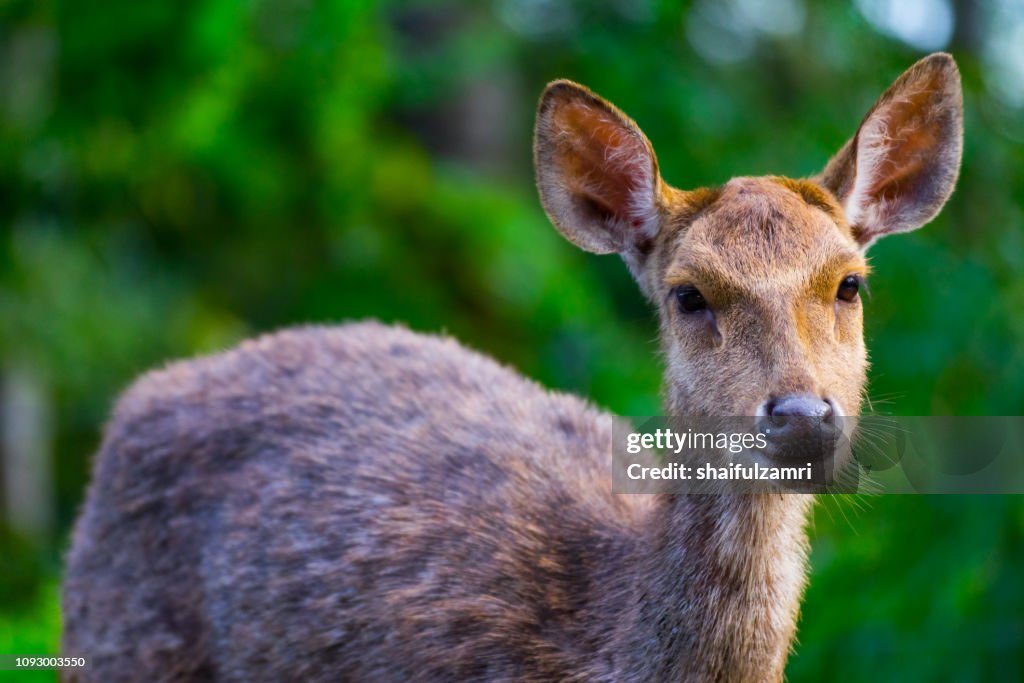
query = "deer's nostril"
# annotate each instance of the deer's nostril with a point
(799, 405)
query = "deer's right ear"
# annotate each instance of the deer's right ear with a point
(898, 170)
(596, 172)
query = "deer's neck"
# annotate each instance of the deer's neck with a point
(722, 585)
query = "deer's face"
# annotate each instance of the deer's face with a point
(758, 290)
(756, 282)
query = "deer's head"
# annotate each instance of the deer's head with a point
(757, 283)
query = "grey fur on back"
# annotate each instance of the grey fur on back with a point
(354, 503)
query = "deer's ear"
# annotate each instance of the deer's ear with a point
(596, 172)
(900, 168)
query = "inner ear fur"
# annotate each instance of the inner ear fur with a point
(897, 172)
(596, 171)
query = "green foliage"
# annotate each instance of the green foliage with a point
(32, 629)
(178, 175)
(21, 568)
(923, 588)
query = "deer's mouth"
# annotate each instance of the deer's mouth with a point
(816, 444)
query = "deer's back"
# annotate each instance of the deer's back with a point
(360, 502)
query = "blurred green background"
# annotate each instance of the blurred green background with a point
(177, 175)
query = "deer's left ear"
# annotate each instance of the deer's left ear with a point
(596, 172)
(899, 169)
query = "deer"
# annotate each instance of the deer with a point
(366, 503)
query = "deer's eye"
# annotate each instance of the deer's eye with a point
(849, 288)
(690, 300)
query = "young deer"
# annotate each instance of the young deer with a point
(365, 503)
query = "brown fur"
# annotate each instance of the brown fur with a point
(365, 503)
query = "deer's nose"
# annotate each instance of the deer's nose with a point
(799, 426)
(799, 405)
